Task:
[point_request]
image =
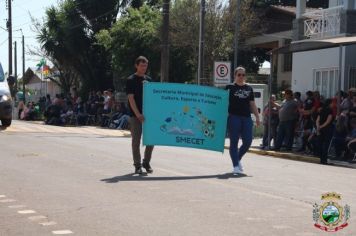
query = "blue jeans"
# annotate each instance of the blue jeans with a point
(239, 126)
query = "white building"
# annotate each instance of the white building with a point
(323, 43)
(39, 86)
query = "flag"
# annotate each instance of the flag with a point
(41, 63)
(45, 70)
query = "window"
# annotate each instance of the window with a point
(326, 81)
(2, 77)
(340, 2)
(352, 77)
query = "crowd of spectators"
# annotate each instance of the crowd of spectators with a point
(99, 109)
(314, 126)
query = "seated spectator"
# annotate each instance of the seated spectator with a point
(66, 116)
(122, 118)
(80, 111)
(123, 122)
(53, 115)
(339, 136)
(29, 112)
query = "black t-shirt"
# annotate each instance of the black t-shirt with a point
(134, 85)
(324, 113)
(308, 104)
(239, 99)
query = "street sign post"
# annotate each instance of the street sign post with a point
(222, 73)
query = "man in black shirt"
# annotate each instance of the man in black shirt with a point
(134, 91)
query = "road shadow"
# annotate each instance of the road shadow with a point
(145, 177)
(2, 128)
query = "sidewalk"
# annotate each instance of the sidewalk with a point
(255, 148)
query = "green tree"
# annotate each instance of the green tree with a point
(67, 36)
(135, 33)
(219, 35)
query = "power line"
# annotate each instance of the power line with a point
(3, 42)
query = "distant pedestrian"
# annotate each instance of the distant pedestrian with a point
(270, 125)
(134, 91)
(240, 124)
(324, 125)
(288, 116)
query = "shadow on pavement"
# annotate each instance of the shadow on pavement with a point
(145, 177)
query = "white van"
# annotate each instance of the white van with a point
(5, 101)
(261, 97)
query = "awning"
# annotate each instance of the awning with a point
(310, 44)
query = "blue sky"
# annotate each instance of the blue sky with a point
(21, 19)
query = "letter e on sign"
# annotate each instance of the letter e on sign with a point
(222, 73)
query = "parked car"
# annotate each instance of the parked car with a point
(5, 101)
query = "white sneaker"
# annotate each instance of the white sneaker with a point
(240, 166)
(237, 170)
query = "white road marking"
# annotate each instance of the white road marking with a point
(34, 218)
(26, 212)
(62, 232)
(48, 223)
(2, 196)
(17, 206)
(7, 200)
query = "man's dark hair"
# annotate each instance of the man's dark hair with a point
(141, 59)
(309, 93)
(297, 94)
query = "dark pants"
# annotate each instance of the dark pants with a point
(239, 126)
(285, 132)
(136, 132)
(324, 140)
(265, 141)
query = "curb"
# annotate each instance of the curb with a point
(281, 155)
(289, 156)
(296, 157)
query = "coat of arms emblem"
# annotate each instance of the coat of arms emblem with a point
(330, 216)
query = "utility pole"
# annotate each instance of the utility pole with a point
(165, 43)
(15, 63)
(237, 26)
(201, 41)
(23, 69)
(9, 28)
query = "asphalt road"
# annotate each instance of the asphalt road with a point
(80, 181)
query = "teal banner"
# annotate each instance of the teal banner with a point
(184, 115)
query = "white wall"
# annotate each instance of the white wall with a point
(281, 75)
(304, 64)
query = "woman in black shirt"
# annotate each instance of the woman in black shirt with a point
(241, 104)
(324, 127)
